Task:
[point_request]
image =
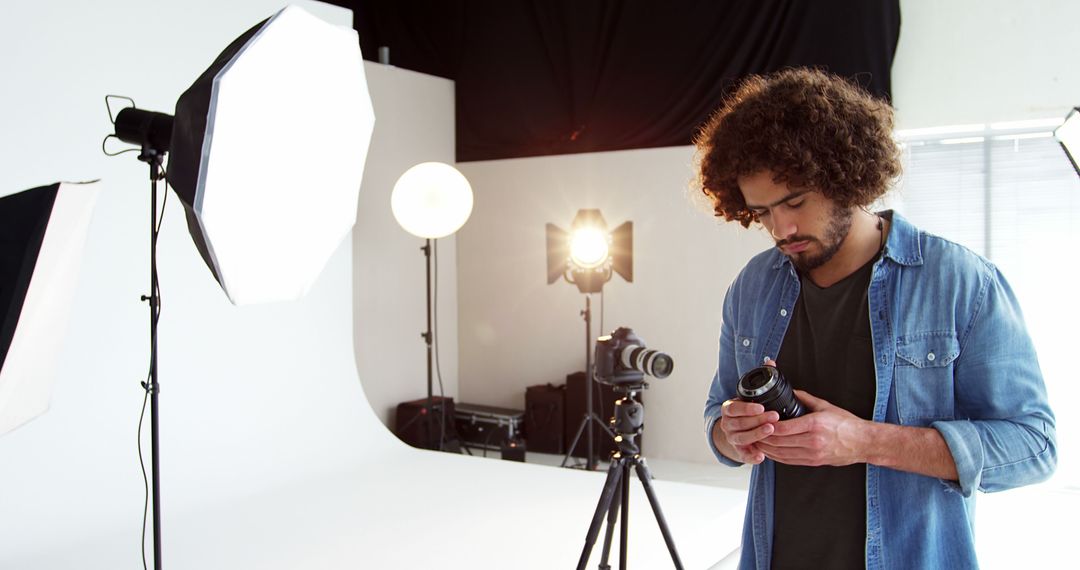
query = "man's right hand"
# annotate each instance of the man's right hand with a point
(741, 426)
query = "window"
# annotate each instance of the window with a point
(1008, 192)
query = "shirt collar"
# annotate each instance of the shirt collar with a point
(902, 245)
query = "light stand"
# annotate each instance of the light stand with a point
(431, 200)
(588, 256)
(590, 415)
(241, 165)
(429, 406)
(154, 157)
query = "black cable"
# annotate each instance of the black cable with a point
(142, 465)
(435, 339)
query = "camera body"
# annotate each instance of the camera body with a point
(621, 359)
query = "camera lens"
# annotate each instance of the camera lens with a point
(765, 385)
(651, 362)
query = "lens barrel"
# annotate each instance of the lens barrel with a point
(765, 385)
(651, 362)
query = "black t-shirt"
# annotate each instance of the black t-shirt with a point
(820, 512)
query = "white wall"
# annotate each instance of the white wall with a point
(957, 62)
(980, 61)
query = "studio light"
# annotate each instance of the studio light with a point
(266, 153)
(1068, 134)
(587, 256)
(431, 200)
(42, 236)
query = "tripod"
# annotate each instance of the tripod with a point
(590, 416)
(628, 423)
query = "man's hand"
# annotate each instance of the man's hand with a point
(741, 427)
(828, 435)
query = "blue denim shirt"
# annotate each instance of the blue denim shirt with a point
(950, 352)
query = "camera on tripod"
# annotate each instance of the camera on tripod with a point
(622, 358)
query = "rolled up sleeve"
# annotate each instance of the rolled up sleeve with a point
(1004, 433)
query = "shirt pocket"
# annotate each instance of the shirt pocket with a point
(924, 376)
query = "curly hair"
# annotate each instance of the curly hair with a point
(810, 129)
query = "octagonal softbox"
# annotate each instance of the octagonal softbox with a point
(267, 153)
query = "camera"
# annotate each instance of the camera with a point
(622, 358)
(765, 385)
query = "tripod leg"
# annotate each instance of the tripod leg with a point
(624, 529)
(614, 476)
(613, 514)
(645, 476)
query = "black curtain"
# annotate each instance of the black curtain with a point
(540, 77)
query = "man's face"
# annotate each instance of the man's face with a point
(806, 226)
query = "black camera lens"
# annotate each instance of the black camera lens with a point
(651, 362)
(765, 385)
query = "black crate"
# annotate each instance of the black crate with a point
(544, 423)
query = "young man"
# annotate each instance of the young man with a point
(909, 351)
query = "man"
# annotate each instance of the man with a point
(909, 351)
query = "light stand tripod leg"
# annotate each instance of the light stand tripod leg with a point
(645, 476)
(614, 477)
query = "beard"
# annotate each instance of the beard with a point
(837, 229)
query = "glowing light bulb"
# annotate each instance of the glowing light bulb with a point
(588, 247)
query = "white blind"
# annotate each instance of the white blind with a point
(1015, 198)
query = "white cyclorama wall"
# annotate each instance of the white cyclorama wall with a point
(517, 331)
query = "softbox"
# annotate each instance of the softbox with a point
(267, 153)
(42, 234)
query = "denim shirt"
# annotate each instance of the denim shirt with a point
(950, 351)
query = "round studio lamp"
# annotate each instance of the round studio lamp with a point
(431, 200)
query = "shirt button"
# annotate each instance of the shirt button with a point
(746, 342)
(930, 357)
(783, 312)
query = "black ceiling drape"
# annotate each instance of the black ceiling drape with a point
(541, 77)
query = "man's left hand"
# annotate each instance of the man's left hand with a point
(828, 435)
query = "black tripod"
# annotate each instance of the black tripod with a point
(590, 415)
(628, 423)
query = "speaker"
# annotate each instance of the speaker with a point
(544, 423)
(411, 425)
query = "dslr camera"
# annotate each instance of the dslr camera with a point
(623, 359)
